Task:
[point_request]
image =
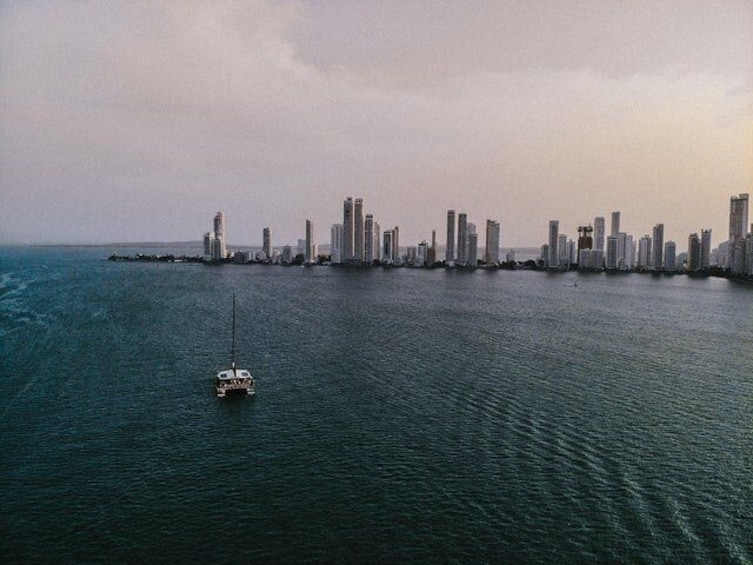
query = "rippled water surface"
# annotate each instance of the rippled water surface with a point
(400, 416)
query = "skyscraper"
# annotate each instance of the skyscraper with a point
(422, 256)
(335, 243)
(267, 242)
(309, 252)
(208, 243)
(472, 255)
(562, 254)
(705, 261)
(554, 232)
(450, 246)
(644, 252)
(738, 226)
(670, 257)
(431, 256)
(585, 243)
(657, 251)
(391, 248)
(694, 253)
(369, 239)
(387, 248)
(738, 216)
(396, 245)
(348, 231)
(611, 262)
(615, 223)
(377, 239)
(491, 255)
(622, 250)
(599, 233)
(359, 247)
(462, 252)
(219, 250)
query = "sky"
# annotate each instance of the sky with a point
(137, 121)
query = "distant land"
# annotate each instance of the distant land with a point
(199, 245)
(147, 244)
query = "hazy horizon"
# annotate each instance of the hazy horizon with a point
(134, 121)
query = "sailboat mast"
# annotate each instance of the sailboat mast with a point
(232, 350)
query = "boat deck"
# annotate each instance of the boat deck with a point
(234, 381)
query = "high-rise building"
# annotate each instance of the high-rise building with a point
(630, 251)
(471, 256)
(335, 243)
(694, 253)
(738, 216)
(422, 256)
(208, 244)
(670, 256)
(431, 257)
(396, 246)
(597, 259)
(738, 226)
(611, 262)
(584, 259)
(287, 254)
(599, 233)
(267, 242)
(622, 250)
(644, 252)
(449, 253)
(387, 248)
(491, 255)
(359, 247)
(369, 239)
(657, 250)
(377, 240)
(348, 231)
(705, 262)
(308, 254)
(411, 255)
(462, 250)
(585, 243)
(562, 255)
(391, 249)
(615, 223)
(553, 261)
(219, 250)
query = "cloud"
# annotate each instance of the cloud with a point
(164, 113)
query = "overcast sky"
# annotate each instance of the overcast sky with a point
(137, 121)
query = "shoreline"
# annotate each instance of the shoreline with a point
(509, 266)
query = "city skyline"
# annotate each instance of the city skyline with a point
(127, 121)
(359, 241)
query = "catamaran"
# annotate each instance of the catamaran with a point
(234, 380)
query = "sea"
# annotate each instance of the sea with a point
(401, 415)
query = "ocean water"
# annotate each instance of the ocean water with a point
(401, 416)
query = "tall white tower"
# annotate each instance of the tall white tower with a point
(491, 256)
(657, 260)
(369, 239)
(615, 223)
(449, 253)
(554, 233)
(219, 249)
(348, 230)
(359, 247)
(599, 233)
(309, 252)
(462, 255)
(335, 243)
